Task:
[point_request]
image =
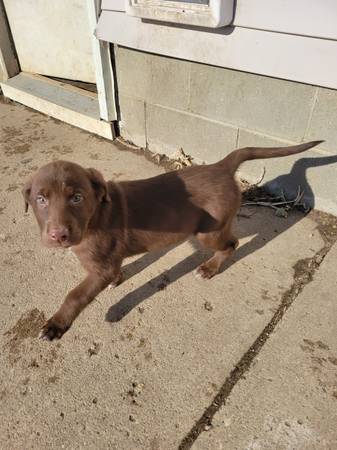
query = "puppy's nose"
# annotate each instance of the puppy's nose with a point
(60, 234)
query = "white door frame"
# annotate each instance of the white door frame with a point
(103, 68)
(9, 65)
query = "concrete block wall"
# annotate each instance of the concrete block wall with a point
(167, 104)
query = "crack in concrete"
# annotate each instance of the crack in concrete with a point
(304, 271)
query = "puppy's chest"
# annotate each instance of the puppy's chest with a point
(97, 253)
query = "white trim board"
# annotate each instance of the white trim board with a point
(64, 102)
(103, 69)
(297, 58)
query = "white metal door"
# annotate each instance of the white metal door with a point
(53, 38)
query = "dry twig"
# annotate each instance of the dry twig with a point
(279, 204)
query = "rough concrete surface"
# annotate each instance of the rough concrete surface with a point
(141, 364)
(288, 400)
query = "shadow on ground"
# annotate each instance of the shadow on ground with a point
(290, 182)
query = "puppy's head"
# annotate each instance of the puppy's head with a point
(64, 197)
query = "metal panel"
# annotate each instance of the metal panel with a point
(297, 58)
(315, 18)
(305, 17)
(113, 5)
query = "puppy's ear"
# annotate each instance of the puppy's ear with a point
(26, 193)
(99, 184)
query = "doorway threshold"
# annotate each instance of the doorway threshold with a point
(63, 101)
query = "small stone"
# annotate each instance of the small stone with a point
(62, 415)
(136, 390)
(287, 424)
(24, 391)
(94, 400)
(141, 309)
(132, 418)
(94, 349)
(207, 427)
(34, 363)
(25, 381)
(26, 160)
(208, 306)
(300, 421)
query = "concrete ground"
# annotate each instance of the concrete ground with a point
(247, 360)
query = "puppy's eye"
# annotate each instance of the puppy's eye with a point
(76, 198)
(41, 200)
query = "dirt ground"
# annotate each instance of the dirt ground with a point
(245, 361)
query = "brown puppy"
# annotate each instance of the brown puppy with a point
(104, 222)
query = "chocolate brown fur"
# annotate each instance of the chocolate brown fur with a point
(104, 222)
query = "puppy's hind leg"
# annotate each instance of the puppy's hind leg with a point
(224, 244)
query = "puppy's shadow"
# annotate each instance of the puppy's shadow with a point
(129, 270)
(262, 224)
(290, 182)
(117, 311)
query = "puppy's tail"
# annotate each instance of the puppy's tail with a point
(237, 157)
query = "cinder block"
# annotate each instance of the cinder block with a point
(323, 124)
(169, 130)
(132, 124)
(170, 84)
(313, 172)
(133, 72)
(156, 79)
(272, 106)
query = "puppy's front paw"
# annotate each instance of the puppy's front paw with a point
(205, 271)
(53, 330)
(119, 279)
